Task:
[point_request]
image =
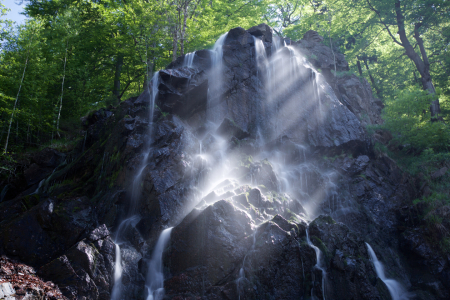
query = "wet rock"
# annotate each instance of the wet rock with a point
(86, 268)
(262, 31)
(182, 91)
(263, 174)
(201, 61)
(350, 273)
(279, 265)
(229, 129)
(207, 246)
(256, 198)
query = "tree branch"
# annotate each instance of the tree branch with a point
(384, 24)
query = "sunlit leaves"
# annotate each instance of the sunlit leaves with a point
(408, 117)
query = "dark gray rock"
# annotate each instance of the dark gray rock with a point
(350, 273)
(229, 129)
(207, 246)
(320, 55)
(182, 91)
(86, 269)
(262, 31)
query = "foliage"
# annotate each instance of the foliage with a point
(408, 117)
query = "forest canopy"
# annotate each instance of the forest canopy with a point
(75, 56)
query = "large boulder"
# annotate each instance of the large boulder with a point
(262, 31)
(86, 269)
(169, 177)
(356, 94)
(182, 91)
(320, 55)
(349, 271)
(207, 247)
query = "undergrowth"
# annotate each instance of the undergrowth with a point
(421, 147)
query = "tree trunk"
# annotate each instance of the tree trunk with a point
(119, 64)
(15, 104)
(372, 80)
(359, 68)
(62, 93)
(422, 64)
(175, 44)
(183, 31)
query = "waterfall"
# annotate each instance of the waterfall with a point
(318, 264)
(189, 60)
(215, 79)
(395, 288)
(133, 217)
(117, 275)
(242, 269)
(277, 43)
(260, 54)
(155, 275)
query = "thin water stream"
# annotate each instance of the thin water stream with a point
(132, 216)
(216, 164)
(396, 290)
(318, 265)
(155, 275)
(189, 59)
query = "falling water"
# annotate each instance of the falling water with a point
(260, 54)
(155, 90)
(278, 42)
(189, 60)
(317, 90)
(117, 275)
(155, 275)
(395, 288)
(215, 79)
(242, 269)
(318, 264)
(133, 217)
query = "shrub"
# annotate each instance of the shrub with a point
(407, 117)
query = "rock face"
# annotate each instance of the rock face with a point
(246, 158)
(85, 270)
(182, 91)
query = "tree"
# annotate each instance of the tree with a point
(415, 17)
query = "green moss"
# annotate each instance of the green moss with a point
(29, 201)
(246, 161)
(318, 242)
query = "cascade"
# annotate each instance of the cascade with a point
(254, 163)
(215, 164)
(133, 218)
(117, 274)
(215, 79)
(395, 288)
(155, 275)
(278, 43)
(260, 54)
(318, 264)
(189, 60)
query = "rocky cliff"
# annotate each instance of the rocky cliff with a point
(258, 157)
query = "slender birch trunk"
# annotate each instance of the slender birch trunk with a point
(183, 31)
(17, 98)
(62, 93)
